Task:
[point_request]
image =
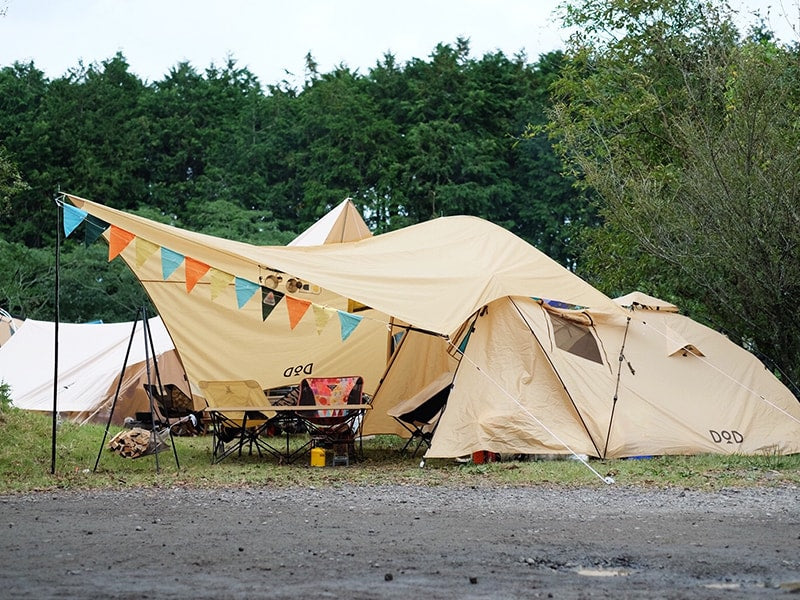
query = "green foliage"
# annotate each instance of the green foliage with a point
(688, 136)
(217, 152)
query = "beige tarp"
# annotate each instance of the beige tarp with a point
(433, 275)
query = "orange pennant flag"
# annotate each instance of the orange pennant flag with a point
(194, 271)
(296, 309)
(118, 240)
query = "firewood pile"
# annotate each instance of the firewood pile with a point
(136, 442)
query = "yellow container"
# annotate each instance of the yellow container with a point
(318, 457)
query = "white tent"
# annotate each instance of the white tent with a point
(343, 223)
(91, 358)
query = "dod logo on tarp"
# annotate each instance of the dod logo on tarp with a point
(299, 370)
(726, 437)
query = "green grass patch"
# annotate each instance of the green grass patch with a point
(26, 451)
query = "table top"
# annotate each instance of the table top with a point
(300, 408)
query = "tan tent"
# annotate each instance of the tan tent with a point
(540, 369)
(91, 358)
(341, 224)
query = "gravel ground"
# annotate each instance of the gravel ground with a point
(401, 542)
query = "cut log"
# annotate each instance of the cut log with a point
(136, 442)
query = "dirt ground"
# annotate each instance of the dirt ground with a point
(401, 542)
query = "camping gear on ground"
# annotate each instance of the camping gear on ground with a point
(239, 417)
(335, 425)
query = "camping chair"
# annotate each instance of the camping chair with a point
(238, 416)
(174, 405)
(420, 414)
(333, 426)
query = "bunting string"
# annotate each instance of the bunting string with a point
(195, 270)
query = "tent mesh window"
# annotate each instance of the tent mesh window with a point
(576, 339)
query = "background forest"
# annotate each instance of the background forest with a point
(659, 152)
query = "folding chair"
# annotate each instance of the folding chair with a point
(238, 416)
(420, 414)
(333, 426)
(174, 405)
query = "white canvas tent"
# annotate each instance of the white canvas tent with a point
(343, 223)
(547, 362)
(8, 326)
(91, 357)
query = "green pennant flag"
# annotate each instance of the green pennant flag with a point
(94, 229)
(349, 323)
(269, 300)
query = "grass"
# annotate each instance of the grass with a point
(26, 451)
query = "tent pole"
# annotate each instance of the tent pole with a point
(152, 349)
(616, 389)
(116, 393)
(55, 340)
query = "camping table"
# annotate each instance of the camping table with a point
(285, 455)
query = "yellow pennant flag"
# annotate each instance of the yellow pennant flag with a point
(144, 250)
(322, 315)
(219, 281)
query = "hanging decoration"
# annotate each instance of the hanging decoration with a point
(170, 261)
(94, 229)
(269, 300)
(144, 250)
(195, 270)
(244, 290)
(220, 280)
(118, 240)
(296, 309)
(73, 217)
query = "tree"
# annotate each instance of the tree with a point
(688, 134)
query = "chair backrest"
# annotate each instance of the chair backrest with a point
(245, 393)
(332, 395)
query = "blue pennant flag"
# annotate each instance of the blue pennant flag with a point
(244, 290)
(170, 260)
(73, 217)
(349, 323)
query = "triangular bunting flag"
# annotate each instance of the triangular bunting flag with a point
(219, 281)
(349, 323)
(144, 250)
(194, 272)
(244, 290)
(269, 300)
(170, 261)
(94, 229)
(296, 308)
(118, 241)
(73, 217)
(321, 316)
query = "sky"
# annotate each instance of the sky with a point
(271, 38)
